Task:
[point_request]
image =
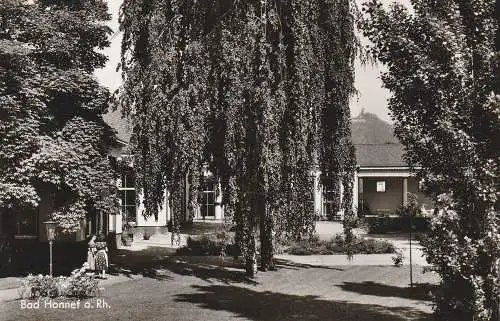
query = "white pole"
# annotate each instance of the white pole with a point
(50, 263)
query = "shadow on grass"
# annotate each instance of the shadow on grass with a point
(389, 236)
(286, 264)
(159, 263)
(417, 292)
(267, 306)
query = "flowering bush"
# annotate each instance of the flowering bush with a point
(39, 286)
(465, 265)
(443, 74)
(398, 258)
(79, 285)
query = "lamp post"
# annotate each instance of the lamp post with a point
(50, 228)
(411, 263)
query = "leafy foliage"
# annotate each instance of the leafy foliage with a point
(338, 245)
(78, 285)
(52, 136)
(257, 89)
(209, 245)
(443, 71)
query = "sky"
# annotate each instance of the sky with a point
(371, 97)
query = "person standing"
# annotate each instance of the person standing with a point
(101, 258)
(91, 253)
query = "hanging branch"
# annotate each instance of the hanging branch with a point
(256, 90)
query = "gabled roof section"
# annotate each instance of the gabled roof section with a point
(380, 155)
(375, 143)
(367, 128)
(373, 139)
(120, 124)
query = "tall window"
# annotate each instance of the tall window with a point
(127, 195)
(207, 198)
(330, 197)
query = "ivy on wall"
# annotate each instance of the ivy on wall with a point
(53, 140)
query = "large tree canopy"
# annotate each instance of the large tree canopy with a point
(443, 71)
(258, 89)
(53, 141)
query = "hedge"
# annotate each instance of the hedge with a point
(386, 224)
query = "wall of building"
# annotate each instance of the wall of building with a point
(387, 201)
(163, 213)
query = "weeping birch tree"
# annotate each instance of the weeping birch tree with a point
(258, 90)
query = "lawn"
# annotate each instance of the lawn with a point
(153, 284)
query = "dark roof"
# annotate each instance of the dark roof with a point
(372, 137)
(367, 128)
(380, 155)
(375, 143)
(120, 124)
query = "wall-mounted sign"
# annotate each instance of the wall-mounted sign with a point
(381, 186)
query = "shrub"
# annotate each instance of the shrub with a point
(387, 224)
(33, 287)
(81, 284)
(337, 245)
(373, 246)
(208, 245)
(398, 258)
(84, 286)
(305, 247)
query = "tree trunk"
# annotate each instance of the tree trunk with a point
(495, 313)
(248, 233)
(266, 239)
(250, 259)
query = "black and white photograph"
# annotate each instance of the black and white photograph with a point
(253, 160)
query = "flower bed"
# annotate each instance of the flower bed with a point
(213, 245)
(337, 245)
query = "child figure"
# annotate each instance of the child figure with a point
(101, 258)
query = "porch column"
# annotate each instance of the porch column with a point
(218, 201)
(341, 191)
(317, 194)
(341, 200)
(186, 197)
(405, 191)
(355, 195)
(360, 195)
(168, 209)
(101, 223)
